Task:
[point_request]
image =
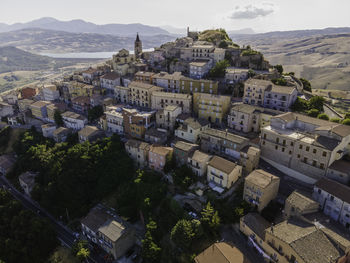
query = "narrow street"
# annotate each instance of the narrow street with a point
(64, 235)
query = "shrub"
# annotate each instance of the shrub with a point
(323, 116)
(346, 122)
(313, 113)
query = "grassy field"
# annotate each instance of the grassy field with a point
(17, 78)
(324, 60)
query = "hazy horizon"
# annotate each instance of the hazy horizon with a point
(272, 15)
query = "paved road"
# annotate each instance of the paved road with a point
(287, 184)
(64, 234)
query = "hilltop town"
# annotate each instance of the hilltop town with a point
(199, 151)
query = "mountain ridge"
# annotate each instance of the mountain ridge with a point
(81, 26)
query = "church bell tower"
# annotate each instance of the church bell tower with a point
(138, 47)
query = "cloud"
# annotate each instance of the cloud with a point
(252, 12)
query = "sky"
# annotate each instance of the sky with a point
(261, 16)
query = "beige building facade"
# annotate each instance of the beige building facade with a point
(160, 100)
(222, 172)
(213, 108)
(141, 93)
(260, 188)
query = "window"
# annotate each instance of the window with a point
(276, 147)
(305, 160)
(324, 154)
(307, 148)
(265, 136)
(300, 146)
(314, 163)
(277, 140)
(283, 149)
(314, 151)
(332, 198)
(298, 155)
(290, 152)
(322, 166)
(263, 142)
(319, 191)
(291, 143)
(284, 142)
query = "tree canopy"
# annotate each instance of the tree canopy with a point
(219, 70)
(24, 237)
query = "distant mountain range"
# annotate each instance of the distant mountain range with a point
(81, 26)
(49, 41)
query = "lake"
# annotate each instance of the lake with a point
(86, 54)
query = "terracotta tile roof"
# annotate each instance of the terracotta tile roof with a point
(199, 156)
(111, 76)
(185, 146)
(160, 150)
(221, 253)
(261, 178)
(300, 201)
(222, 164)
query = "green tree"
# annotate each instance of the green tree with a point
(346, 122)
(306, 84)
(219, 70)
(316, 102)
(313, 113)
(251, 73)
(58, 118)
(347, 116)
(150, 250)
(300, 105)
(95, 113)
(83, 254)
(223, 44)
(210, 218)
(185, 232)
(280, 81)
(81, 250)
(279, 68)
(323, 116)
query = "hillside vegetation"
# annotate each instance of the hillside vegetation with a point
(324, 60)
(217, 36)
(12, 58)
